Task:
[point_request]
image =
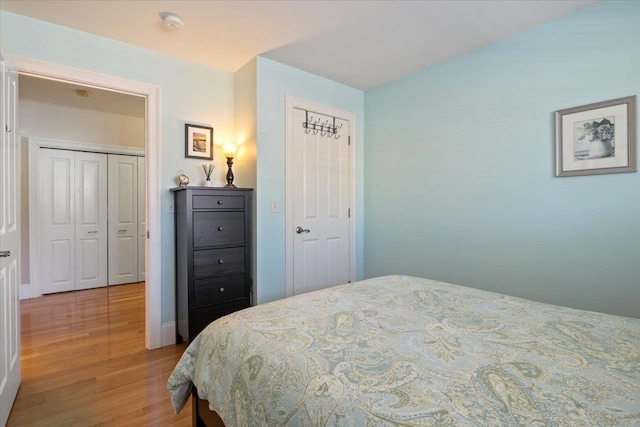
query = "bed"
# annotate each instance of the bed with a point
(406, 351)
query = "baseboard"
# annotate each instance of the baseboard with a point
(168, 336)
(25, 291)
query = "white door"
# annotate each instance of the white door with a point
(123, 219)
(9, 241)
(142, 218)
(321, 202)
(56, 220)
(90, 220)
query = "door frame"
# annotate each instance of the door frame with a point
(291, 103)
(151, 93)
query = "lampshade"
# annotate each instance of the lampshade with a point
(229, 150)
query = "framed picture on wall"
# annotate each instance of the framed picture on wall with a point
(597, 138)
(198, 141)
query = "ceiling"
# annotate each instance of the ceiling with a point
(45, 91)
(361, 43)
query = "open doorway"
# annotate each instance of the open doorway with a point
(81, 146)
(151, 95)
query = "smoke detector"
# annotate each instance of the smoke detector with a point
(171, 20)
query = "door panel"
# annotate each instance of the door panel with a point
(142, 218)
(123, 219)
(57, 220)
(90, 220)
(126, 263)
(321, 185)
(10, 365)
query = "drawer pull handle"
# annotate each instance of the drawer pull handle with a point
(219, 228)
(221, 289)
(220, 261)
(220, 202)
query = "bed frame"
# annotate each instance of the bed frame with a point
(201, 415)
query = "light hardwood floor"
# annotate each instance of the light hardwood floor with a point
(84, 363)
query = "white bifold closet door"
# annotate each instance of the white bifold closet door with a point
(91, 220)
(72, 201)
(123, 219)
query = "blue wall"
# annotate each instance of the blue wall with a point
(274, 81)
(198, 94)
(459, 168)
(457, 174)
(190, 93)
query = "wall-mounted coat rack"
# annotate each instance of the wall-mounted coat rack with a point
(324, 127)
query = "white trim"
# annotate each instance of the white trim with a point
(291, 103)
(84, 146)
(153, 315)
(25, 291)
(168, 333)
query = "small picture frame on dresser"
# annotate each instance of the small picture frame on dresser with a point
(198, 141)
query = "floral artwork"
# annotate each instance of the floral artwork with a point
(597, 138)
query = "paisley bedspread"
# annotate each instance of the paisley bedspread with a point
(405, 351)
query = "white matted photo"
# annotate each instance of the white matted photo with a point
(198, 141)
(597, 138)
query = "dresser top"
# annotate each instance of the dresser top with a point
(195, 187)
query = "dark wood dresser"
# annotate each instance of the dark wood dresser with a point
(213, 255)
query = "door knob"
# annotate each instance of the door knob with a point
(301, 230)
(5, 254)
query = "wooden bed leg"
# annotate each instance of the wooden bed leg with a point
(201, 415)
(194, 410)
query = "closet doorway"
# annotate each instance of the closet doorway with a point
(88, 207)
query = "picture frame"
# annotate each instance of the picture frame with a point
(597, 138)
(198, 141)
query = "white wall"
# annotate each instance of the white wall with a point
(245, 164)
(53, 121)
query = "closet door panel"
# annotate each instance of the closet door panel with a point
(91, 220)
(123, 219)
(57, 219)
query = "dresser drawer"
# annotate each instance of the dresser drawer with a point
(213, 262)
(203, 316)
(218, 290)
(218, 229)
(217, 202)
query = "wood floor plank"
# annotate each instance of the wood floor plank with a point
(84, 363)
